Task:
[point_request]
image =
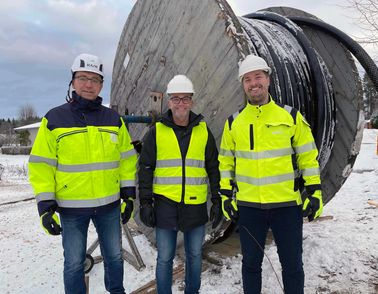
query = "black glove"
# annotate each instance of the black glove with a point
(216, 215)
(147, 214)
(313, 205)
(50, 223)
(230, 209)
(127, 208)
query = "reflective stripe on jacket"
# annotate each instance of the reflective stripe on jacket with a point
(81, 167)
(174, 177)
(260, 147)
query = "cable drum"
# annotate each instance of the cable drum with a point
(294, 82)
(313, 71)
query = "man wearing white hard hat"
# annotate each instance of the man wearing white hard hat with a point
(178, 159)
(264, 147)
(81, 164)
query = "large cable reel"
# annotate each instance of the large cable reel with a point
(313, 70)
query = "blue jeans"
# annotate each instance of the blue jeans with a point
(286, 224)
(74, 239)
(166, 247)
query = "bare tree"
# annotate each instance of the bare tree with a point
(370, 98)
(27, 113)
(367, 19)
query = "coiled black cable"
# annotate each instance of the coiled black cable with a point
(296, 83)
(361, 55)
(266, 39)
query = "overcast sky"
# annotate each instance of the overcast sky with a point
(40, 38)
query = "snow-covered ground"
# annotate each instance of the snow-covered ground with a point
(340, 254)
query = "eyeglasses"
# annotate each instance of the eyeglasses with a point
(84, 80)
(185, 99)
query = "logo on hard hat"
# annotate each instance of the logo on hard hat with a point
(87, 62)
(92, 65)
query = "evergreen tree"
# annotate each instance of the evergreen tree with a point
(24, 138)
(370, 97)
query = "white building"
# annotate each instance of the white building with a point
(32, 129)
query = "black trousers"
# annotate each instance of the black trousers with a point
(286, 224)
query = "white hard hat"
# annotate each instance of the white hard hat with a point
(180, 84)
(88, 62)
(252, 63)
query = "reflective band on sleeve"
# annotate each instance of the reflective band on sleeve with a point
(88, 203)
(178, 181)
(266, 180)
(225, 152)
(306, 147)
(127, 154)
(45, 196)
(128, 183)
(264, 154)
(314, 171)
(227, 174)
(40, 159)
(72, 168)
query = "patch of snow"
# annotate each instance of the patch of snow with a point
(340, 254)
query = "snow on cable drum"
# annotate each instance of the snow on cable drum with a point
(313, 71)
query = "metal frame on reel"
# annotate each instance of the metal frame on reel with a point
(133, 258)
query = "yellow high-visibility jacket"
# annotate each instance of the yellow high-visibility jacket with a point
(260, 147)
(81, 160)
(174, 175)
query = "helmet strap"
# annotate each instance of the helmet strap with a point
(68, 96)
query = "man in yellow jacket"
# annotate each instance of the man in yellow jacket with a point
(81, 164)
(179, 159)
(264, 148)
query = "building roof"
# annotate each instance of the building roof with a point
(37, 124)
(28, 127)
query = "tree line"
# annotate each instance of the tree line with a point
(366, 19)
(26, 115)
(370, 98)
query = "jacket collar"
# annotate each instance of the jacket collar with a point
(85, 104)
(264, 106)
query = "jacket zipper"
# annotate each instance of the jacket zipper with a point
(88, 151)
(251, 141)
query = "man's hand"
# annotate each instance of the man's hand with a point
(50, 223)
(147, 214)
(216, 213)
(127, 208)
(313, 205)
(229, 208)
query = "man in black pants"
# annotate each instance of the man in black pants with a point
(262, 146)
